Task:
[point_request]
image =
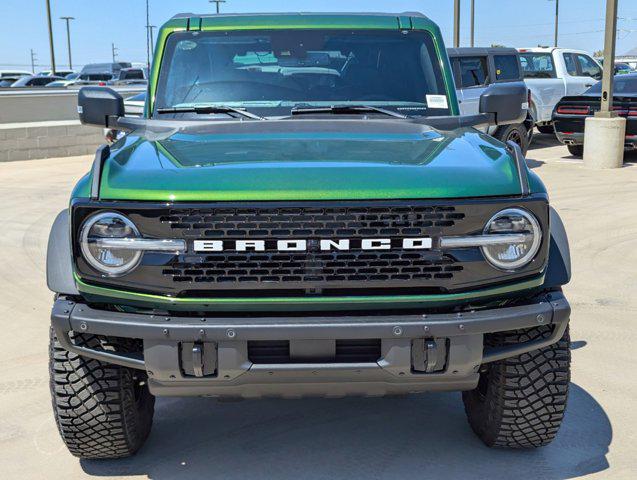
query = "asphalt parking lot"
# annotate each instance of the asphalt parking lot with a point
(424, 436)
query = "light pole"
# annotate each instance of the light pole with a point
(48, 16)
(68, 38)
(152, 39)
(33, 60)
(114, 50)
(557, 17)
(473, 21)
(148, 46)
(217, 2)
(456, 23)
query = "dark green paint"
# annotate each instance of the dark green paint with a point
(309, 166)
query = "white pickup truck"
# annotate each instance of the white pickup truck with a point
(553, 73)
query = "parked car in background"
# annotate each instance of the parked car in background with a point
(112, 74)
(552, 73)
(14, 74)
(622, 68)
(8, 81)
(130, 76)
(60, 84)
(474, 69)
(58, 73)
(571, 112)
(35, 81)
(134, 106)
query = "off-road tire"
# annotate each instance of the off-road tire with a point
(548, 129)
(515, 133)
(101, 410)
(520, 401)
(576, 150)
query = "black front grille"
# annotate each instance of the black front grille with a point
(346, 351)
(316, 269)
(347, 272)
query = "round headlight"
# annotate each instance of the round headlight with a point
(107, 259)
(525, 237)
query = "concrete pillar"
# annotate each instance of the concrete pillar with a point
(604, 139)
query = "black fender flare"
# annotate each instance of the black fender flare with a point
(558, 271)
(59, 258)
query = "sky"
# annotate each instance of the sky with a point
(99, 24)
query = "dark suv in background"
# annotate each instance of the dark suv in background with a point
(474, 70)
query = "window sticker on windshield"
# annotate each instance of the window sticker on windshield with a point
(437, 101)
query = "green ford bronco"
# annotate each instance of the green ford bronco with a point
(302, 211)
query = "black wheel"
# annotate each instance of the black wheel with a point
(548, 129)
(514, 133)
(520, 401)
(101, 410)
(576, 150)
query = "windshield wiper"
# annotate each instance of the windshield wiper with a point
(346, 109)
(210, 109)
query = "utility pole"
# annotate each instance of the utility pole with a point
(473, 21)
(148, 46)
(557, 18)
(33, 60)
(68, 38)
(152, 40)
(48, 16)
(217, 2)
(456, 23)
(114, 50)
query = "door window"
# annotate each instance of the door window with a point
(537, 65)
(473, 71)
(571, 67)
(506, 67)
(588, 67)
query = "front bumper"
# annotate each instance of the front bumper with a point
(217, 347)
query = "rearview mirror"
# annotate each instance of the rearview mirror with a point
(506, 102)
(99, 106)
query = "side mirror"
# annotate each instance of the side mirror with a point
(99, 106)
(506, 102)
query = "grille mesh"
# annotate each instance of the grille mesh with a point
(308, 267)
(310, 221)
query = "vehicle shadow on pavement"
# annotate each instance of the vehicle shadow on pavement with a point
(423, 436)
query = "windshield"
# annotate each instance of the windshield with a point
(271, 72)
(621, 85)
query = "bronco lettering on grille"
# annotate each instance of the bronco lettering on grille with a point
(303, 245)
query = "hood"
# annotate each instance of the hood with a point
(308, 160)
